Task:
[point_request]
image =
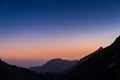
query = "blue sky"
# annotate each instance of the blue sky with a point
(58, 14)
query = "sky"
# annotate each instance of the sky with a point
(34, 31)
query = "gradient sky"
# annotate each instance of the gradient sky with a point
(32, 31)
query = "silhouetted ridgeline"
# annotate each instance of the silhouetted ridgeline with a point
(10, 72)
(103, 64)
(54, 66)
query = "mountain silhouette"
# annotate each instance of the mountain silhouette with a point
(55, 66)
(11, 72)
(83, 60)
(101, 65)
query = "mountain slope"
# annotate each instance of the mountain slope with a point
(10, 72)
(103, 65)
(55, 66)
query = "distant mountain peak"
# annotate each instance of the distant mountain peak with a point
(54, 65)
(100, 48)
(56, 59)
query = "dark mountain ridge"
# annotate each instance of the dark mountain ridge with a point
(103, 65)
(82, 60)
(11, 72)
(55, 66)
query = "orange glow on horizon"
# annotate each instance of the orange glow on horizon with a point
(69, 47)
(45, 52)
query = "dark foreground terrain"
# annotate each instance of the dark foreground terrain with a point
(103, 64)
